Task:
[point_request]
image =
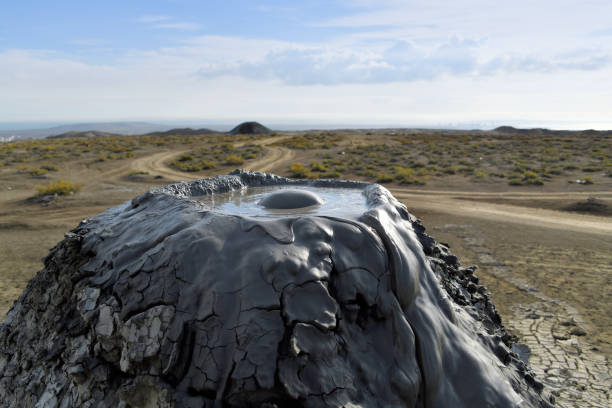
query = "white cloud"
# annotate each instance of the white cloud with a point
(167, 23)
(182, 26)
(152, 19)
(400, 61)
(44, 85)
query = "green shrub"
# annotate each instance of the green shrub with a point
(186, 166)
(370, 173)
(527, 178)
(234, 159)
(298, 170)
(479, 174)
(317, 167)
(37, 172)
(449, 170)
(185, 157)
(59, 187)
(384, 178)
(330, 175)
(49, 167)
(407, 176)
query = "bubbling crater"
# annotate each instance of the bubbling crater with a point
(290, 199)
(253, 290)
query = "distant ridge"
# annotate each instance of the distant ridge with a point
(544, 131)
(122, 128)
(185, 132)
(249, 128)
(86, 134)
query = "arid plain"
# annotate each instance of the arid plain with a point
(532, 210)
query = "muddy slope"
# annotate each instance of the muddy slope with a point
(160, 303)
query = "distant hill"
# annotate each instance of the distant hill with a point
(542, 131)
(512, 129)
(87, 134)
(184, 131)
(123, 128)
(249, 128)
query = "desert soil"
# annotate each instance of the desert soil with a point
(549, 271)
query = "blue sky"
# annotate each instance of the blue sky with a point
(342, 61)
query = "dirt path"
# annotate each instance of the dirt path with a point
(274, 157)
(505, 212)
(510, 195)
(156, 164)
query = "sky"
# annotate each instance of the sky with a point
(380, 62)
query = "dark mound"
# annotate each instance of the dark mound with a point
(288, 199)
(590, 206)
(86, 134)
(160, 302)
(513, 130)
(184, 132)
(249, 128)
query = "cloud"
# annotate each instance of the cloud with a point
(402, 61)
(182, 26)
(577, 60)
(152, 19)
(167, 23)
(602, 32)
(44, 85)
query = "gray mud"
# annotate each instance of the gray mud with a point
(166, 302)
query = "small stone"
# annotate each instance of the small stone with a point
(577, 331)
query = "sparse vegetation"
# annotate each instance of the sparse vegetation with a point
(408, 157)
(298, 170)
(49, 167)
(309, 141)
(315, 166)
(526, 178)
(522, 159)
(37, 172)
(384, 178)
(213, 155)
(234, 159)
(59, 187)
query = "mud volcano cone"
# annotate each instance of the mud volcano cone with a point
(217, 293)
(249, 128)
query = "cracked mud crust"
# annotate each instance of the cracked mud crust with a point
(161, 303)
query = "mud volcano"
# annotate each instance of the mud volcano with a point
(249, 128)
(215, 293)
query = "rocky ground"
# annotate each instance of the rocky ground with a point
(552, 333)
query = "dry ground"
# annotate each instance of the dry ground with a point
(549, 271)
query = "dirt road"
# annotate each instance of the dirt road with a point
(450, 204)
(157, 164)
